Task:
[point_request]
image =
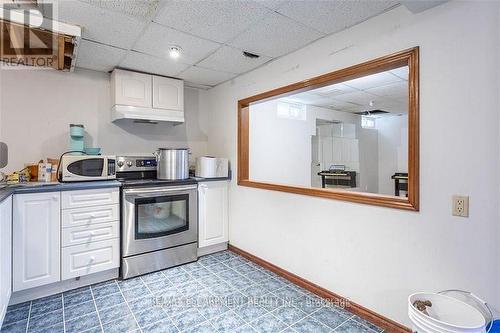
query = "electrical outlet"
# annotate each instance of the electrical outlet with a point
(460, 206)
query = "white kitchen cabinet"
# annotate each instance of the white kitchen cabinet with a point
(354, 150)
(146, 97)
(337, 150)
(213, 213)
(36, 239)
(93, 257)
(89, 198)
(349, 130)
(168, 93)
(90, 231)
(131, 88)
(86, 216)
(326, 144)
(87, 234)
(5, 255)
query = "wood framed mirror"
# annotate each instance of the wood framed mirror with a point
(352, 134)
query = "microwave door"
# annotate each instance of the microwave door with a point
(87, 168)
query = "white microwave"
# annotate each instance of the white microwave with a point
(77, 168)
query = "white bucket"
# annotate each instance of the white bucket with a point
(446, 315)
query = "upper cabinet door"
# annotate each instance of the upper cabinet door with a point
(36, 239)
(168, 93)
(131, 88)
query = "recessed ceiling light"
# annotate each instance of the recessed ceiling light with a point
(174, 52)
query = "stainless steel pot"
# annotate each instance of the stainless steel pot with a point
(172, 163)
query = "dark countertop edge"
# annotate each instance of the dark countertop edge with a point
(201, 180)
(6, 192)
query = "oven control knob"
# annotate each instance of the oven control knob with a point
(119, 163)
(129, 163)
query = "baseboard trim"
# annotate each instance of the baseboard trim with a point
(202, 251)
(379, 320)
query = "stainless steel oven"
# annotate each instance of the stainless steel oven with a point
(159, 226)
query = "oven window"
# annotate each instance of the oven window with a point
(90, 167)
(161, 216)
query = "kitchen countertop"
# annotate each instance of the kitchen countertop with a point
(37, 187)
(201, 179)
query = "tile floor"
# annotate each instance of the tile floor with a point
(222, 292)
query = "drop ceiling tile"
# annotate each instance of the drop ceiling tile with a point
(232, 60)
(274, 36)
(205, 76)
(97, 56)
(157, 40)
(308, 98)
(332, 16)
(149, 64)
(372, 81)
(100, 25)
(393, 90)
(271, 4)
(418, 6)
(401, 72)
(359, 97)
(344, 106)
(333, 90)
(393, 106)
(215, 20)
(144, 9)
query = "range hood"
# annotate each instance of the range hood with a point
(145, 115)
(146, 98)
(30, 39)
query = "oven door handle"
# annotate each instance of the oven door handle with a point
(157, 191)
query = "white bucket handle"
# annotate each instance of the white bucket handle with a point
(478, 299)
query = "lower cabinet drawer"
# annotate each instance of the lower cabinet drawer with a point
(89, 198)
(89, 234)
(80, 260)
(90, 215)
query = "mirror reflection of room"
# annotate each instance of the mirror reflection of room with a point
(350, 136)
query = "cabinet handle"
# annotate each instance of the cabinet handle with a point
(92, 259)
(54, 197)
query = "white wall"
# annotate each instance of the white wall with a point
(378, 256)
(37, 107)
(280, 148)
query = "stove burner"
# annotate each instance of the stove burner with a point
(156, 182)
(140, 170)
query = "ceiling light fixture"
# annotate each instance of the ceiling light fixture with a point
(174, 52)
